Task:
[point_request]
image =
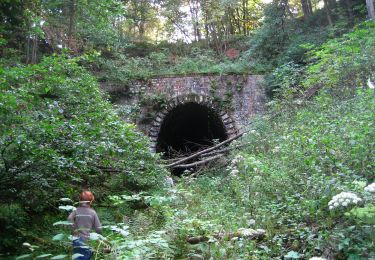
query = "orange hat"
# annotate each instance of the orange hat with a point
(86, 196)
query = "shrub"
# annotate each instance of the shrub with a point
(12, 217)
(282, 181)
(340, 63)
(59, 130)
(344, 62)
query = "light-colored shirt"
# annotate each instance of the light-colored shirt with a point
(84, 220)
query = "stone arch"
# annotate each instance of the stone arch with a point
(186, 110)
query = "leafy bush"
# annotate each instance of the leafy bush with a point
(12, 217)
(340, 63)
(285, 81)
(124, 69)
(59, 134)
(282, 181)
(344, 62)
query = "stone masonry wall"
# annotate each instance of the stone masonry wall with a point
(238, 96)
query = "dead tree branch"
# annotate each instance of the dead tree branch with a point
(198, 162)
(204, 151)
(248, 233)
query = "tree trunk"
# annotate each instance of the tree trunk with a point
(238, 20)
(370, 9)
(142, 18)
(309, 6)
(244, 16)
(332, 4)
(141, 29)
(349, 11)
(71, 30)
(194, 12)
(328, 12)
(28, 50)
(305, 9)
(229, 15)
(34, 49)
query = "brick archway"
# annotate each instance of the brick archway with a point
(193, 108)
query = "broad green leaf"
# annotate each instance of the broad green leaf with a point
(67, 208)
(95, 236)
(58, 237)
(293, 255)
(76, 256)
(65, 222)
(59, 257)
(43, 255)
(66, 200)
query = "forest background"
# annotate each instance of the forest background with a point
(59, 132)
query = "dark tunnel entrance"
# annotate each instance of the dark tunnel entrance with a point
(188, 128)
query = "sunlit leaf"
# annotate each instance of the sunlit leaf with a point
(59, 257)
(74, 256)
(58, 237)
(65, 222)
(67, 208)
(43, 255)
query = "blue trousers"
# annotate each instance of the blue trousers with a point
(79, 247)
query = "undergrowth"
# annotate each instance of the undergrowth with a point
(282, 182)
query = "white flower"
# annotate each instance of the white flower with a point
(169, 181)
(234, 172)
(26, 244)
(370, 188)
(238, 158)
(344, 199)
(371, 85)
(251, 222)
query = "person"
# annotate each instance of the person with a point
(84, 219)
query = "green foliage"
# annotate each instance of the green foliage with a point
(346, 61)
(282, 38)
(12, 217)
(124, 69)
(340, 63)
(282, 181)
(270, 39)
(285, 80)
(58, 131)
(59, 134)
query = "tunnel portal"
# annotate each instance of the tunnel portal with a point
(189, 127)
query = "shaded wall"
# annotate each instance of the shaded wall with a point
(235, 98)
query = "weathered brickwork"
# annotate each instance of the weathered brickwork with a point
(236, 98)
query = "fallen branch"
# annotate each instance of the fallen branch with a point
(198, 162)
(225, 149)
(253, 234)
(211, 150)
(38, 239)
(196, 240)
(205, 151)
